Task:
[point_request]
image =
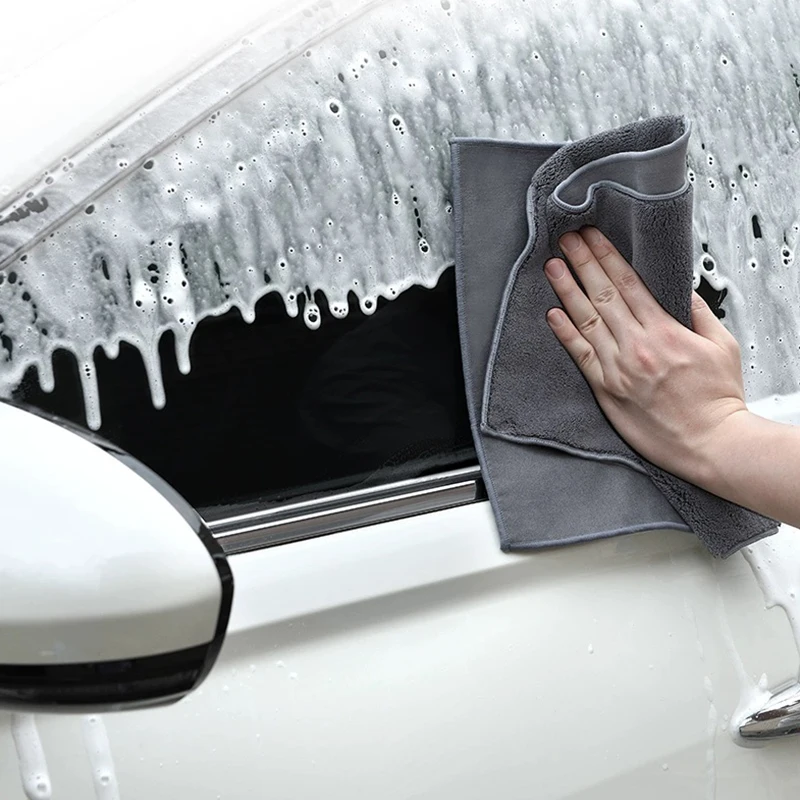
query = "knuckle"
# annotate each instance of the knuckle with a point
(643, 356)
(616, 378)
(669, 334)
(590, 323)
(601, 246)
(628, 281)
(617, 387)
(605, 296)
(596, 240)
(568, 291)
(732, 346)
(585, 358)
(581, 259)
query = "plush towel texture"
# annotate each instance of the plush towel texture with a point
(555, 469)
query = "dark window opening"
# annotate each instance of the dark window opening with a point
(273, 411)
(714, 297)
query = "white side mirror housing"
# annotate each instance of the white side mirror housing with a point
(113, 593)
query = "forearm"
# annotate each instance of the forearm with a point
(755, 462)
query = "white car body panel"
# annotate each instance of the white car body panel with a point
(412, 659)
(409, 659)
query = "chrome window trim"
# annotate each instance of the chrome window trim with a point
(298, 521)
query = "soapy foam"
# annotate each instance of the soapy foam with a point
(98, 749)
(32, 763)
(776, 566)
(330, 175)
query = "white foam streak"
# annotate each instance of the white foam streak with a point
(98, 749)
(32, 763)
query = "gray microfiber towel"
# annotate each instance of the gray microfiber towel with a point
(555, 470)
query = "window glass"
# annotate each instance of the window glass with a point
(273, 410)
(316, 186)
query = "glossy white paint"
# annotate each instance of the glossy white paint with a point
(411, 659)
(69, 70)
(96, 565)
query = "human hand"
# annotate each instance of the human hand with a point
(672, 393)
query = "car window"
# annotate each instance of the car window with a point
(273, 410)
(298, 190)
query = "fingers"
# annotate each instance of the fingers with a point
(581, 351)
(584, 316)
(637, 296)
(604, 297)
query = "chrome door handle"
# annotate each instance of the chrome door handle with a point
(780, 716)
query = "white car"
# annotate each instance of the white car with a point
(226, 246)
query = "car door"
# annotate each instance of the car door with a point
(249, 283)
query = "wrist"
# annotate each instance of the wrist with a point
(734, 455)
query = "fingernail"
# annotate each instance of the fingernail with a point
(570, 241)
(554, 268)
(555, 317)
(591, 234)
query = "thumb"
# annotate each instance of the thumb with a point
(705, 322)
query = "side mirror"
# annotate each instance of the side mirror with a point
(113, 593)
